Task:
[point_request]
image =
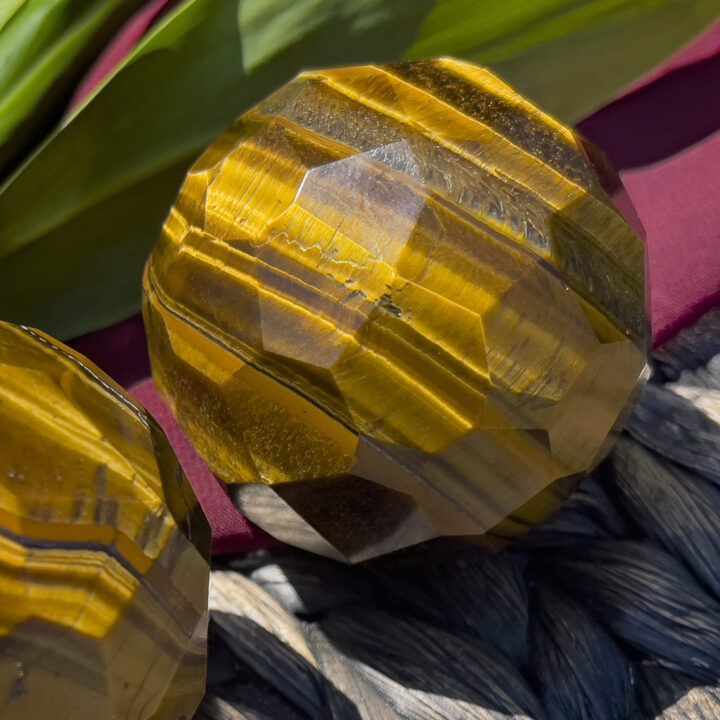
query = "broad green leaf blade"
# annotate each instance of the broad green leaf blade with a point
(45, 48)
(8, 8)
(568, 56)
(78, 220)
(90, 266)
(34, 25)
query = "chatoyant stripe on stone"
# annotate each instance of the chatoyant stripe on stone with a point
(103, 547)
(405, 275)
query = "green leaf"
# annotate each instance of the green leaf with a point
(568, 56)
(45, 48)
(78, 220)
(8, 8)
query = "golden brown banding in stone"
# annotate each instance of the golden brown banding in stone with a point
(406, 276)
(103, 547)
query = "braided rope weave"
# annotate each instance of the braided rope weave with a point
(610, 611)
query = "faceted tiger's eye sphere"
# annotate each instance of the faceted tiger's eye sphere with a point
(103, 548)
(395, 303)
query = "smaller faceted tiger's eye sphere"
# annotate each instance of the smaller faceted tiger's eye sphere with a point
(103, 548)
(396, 303)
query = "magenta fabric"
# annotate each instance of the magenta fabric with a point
(129, 36)
(664, 136)
(679, 203)
(231, 531)
(120, 350)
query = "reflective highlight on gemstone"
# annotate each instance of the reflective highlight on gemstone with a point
(103, 548)
(395, 303)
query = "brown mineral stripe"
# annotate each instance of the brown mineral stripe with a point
(266, 171)
(102, 546)
(465, 135)
(386, 132)
(601, 225)
(372, 281)
(464, 263)
(477, 93)
(87, 534)
(536, 185)
(271, 399)
(41, 578)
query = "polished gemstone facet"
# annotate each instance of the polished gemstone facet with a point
(103, 548)
(395, 303)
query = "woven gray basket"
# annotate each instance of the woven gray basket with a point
(609, 611)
